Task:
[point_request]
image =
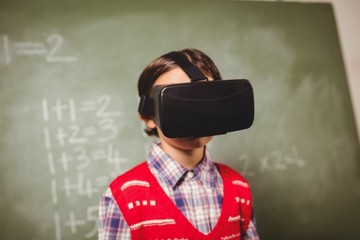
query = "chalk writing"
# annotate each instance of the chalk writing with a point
(50, 49)
(245, 161)
(274, 161)
(72, 146)
(55, 42)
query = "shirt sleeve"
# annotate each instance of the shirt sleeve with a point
(251, 232)
(111, 224)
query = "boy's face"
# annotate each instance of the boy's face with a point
(175, 76)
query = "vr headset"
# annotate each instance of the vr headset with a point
(199, 108)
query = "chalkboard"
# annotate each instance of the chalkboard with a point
(69, 123)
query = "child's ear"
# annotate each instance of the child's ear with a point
(148, 121)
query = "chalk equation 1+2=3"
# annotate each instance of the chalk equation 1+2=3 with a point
(50, 49)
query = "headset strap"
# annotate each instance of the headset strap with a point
(190, 69)
(146, 105)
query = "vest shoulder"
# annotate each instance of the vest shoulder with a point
(236, 177)
(136, 175)
(240, 188)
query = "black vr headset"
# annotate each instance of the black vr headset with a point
(199, 108)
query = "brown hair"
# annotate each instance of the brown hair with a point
(164, 64)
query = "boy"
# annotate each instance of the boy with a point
(178, 193)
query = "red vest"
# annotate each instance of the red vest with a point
(151, 214)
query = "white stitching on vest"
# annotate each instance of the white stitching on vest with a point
(155, 222)
(234, 219)
(139, 203)
(242, 200)
(234, 235)
(240, 183)
(134, 183)
(171, 239)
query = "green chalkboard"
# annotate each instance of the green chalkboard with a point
(69, 124)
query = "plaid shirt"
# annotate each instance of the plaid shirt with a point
(197, 193)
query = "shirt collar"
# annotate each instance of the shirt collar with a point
(173, 173)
